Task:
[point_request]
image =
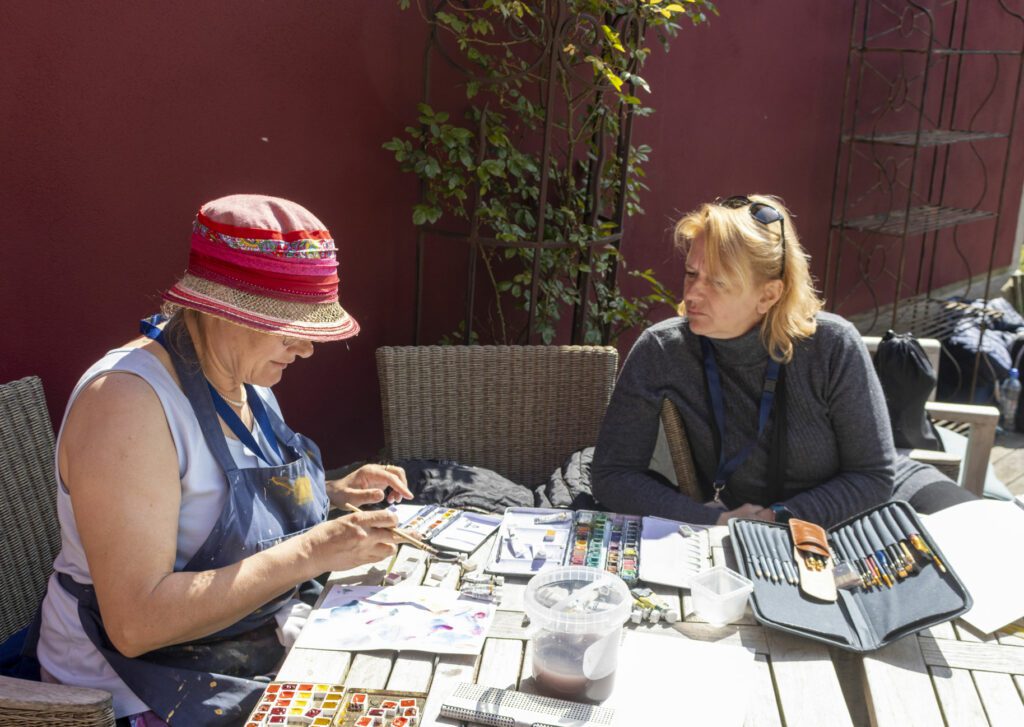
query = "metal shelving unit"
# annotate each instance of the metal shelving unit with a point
(929, 114)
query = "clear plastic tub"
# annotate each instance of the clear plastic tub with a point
(720, 595)
(578, 614)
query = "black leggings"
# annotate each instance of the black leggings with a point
(938, 496)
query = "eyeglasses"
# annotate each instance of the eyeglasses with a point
(763, 213)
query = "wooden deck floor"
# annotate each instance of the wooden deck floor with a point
(1008, 460)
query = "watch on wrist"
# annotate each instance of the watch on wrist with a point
(782, 513)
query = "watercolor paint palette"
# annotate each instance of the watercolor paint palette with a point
(331, 705)
(608, 541)
(530, 539)
(298, 703)
(449, 528)
(674, 552)
(381, 708)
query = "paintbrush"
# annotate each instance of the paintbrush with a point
(403, 534)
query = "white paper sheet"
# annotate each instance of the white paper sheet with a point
(704, 680)
(397, 618)
(983, 541)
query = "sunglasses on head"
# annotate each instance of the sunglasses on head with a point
(763, 213)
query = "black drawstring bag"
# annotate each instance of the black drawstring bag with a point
(907, 380)
(1017, 358)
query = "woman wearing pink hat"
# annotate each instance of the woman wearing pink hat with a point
(191, 514)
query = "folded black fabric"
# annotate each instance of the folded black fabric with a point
(569, 485)
(463, 486)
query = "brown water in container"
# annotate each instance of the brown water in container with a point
(558, 667)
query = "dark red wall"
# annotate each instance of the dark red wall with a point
(118, 119)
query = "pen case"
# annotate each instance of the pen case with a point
(881, 598)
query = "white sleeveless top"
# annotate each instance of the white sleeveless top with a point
(64, 650)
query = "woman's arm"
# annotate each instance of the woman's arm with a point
(118, 460)
(860, 422)
(621, 477)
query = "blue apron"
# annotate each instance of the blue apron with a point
(205, 682)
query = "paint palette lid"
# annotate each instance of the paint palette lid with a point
(577, 600)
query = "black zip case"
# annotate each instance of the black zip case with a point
(879, 605)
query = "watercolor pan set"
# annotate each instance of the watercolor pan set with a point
(608, 541)
(331, 705)
(381, 708)
(450, 528)
(298, 703)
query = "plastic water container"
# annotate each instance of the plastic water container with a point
(720, 595)
(1009, 397)
(577, 613)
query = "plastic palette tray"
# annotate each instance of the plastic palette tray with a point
(536, 545)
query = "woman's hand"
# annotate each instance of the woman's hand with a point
(352, 540)
(749, 511)
(369, 485)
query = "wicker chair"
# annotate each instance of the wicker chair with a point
(29, 540)
(518, 410)
(979, 421)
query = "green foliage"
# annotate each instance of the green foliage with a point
(482, 164)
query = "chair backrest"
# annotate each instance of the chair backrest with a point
(517, 410)
(29, 531)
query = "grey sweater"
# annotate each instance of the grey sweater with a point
(840, 458)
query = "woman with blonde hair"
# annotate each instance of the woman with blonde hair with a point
(779, 400)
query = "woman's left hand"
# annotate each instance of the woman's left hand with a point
(370, 484)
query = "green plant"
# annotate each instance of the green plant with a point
(537, 168)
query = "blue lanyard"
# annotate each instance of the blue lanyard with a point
(150, 327)
(771, 376)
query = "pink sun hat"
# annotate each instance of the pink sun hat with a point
(264, 263)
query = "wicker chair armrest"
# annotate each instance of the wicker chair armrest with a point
(35, 703)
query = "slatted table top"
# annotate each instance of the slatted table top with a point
(948, 675)
(796, 680)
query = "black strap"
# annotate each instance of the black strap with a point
(777, 454)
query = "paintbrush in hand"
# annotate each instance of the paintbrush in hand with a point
(403, 534)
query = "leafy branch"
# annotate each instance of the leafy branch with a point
(482, 167)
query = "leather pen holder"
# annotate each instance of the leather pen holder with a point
(813, 559)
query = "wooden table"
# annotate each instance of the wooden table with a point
(948, 675)
(797, 682)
